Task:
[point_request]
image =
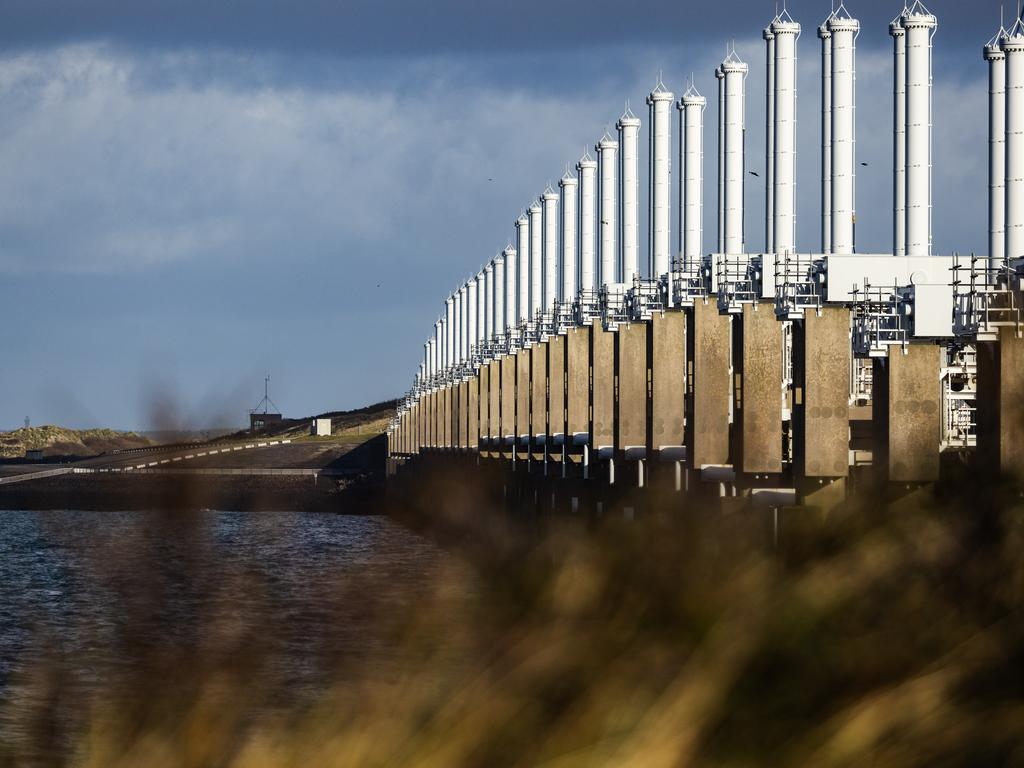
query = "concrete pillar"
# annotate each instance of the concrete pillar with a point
(494, 405)
(577, 384)
(631, 399)
(473, 399)
(523, 399)
(708, 354)
(446, 412)
(485, 408)
(464, 435)
(906, 413)
(668, 384)
(556, 389)
(1001, 405)
(821, 410)
(761, 390)
(602, 395)
(539, 397)
(508, 404)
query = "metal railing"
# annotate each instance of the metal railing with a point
(587, 307)
(613, 307)
(879, 320)
(959, 398)
(985, 298)
(645, 298)
(736, 283)
(689, 282)
(861, 381)
(798, 285)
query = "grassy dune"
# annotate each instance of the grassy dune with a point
(58, 441)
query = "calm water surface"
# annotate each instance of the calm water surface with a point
(94, 595)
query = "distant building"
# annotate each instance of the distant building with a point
(321, 428)
(34, 454)
(261, 422)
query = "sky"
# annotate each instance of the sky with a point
(194, 195)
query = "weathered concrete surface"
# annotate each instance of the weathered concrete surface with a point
(556, 387)
(508, 400)
(523, 396)
(494, 388)
(446, 417)
(1001, 404)
(539, 391)
(602, 372)
(474, 412)
(577, 382)
(822, 413)
(761, 391)
(485, 406)
(906, 413)
(709, 344)
(631, 392)
(668, 379)
(464, 414)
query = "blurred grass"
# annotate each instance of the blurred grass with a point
(878, 636)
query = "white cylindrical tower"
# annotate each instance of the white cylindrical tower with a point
(607, 157)
(660, 103)
(568, 186)
(481, 309)
(511, 292)
(499, 295)
(996, 59)
(844, 31)
(769, 145)
(826, 136)
(786, 32)
(460, 325)
(523, 248)
(536, 259)
(472, 312)
(899, 137)
(438, 330)
(489, 302)
(720, 76)
(550, 206)
(920, 26)
(449, 330)
(735, 79)
(1013, 48)
(691, 196)
(586, 170)
(629, 231)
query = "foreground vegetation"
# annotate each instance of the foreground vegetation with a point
(876, 636)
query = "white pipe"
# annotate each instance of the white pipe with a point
(720, 76)
(769, 144)
(499, 296)
(523, 248)
(1013, 47)
(536, 260)
(826, 137)
(660, 103)
(996, 152)
(586, 170)
(607, 149)
(460, 325)
(471, 326)
(511, 293)
(629, 140)
(481, 308)
(844, 32)
(550, 203)
(449, 327)
(568, 186)
(489, 301)
(899, 138)
(692, 197)
(735, 79)
(787, 32)
(437, 348)
(919, 26)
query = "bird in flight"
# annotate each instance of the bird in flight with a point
(754, 173)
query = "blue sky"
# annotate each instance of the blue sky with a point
(196, 194)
